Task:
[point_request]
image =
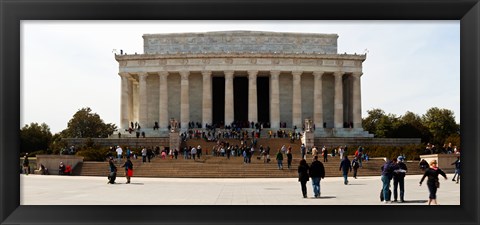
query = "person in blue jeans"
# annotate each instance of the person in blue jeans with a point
(387, 175)
(316, 172)
(280, 160)
(345, 166)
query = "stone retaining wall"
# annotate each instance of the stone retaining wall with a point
(366, 141)
(131, 142)
(444, 161)
(51, 162)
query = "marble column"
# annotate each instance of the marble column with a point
(124, 103)
(207, 98)
(130, 98)
(297, 99)
(318, 99)
(252, 96)
(143, 109)
(338, 103)
(163, 100)
(357, 101)
(274, 100)
(184, 100)
(229, 98)
(135, 101)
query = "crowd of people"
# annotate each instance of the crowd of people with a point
(394, 169)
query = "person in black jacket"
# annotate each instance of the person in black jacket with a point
(457, 169)
(432, 182)
(303, 176)
(345, 166)
(400, 169)
(113, 172)
(316, 172)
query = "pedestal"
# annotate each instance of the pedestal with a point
(175, 140)
(308, 139)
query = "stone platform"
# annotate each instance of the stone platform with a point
(78, 190)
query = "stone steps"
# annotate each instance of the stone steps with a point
(215, 168)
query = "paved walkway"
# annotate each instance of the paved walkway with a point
(82, 190)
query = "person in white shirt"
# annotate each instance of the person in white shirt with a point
(193, 152)
(119, 153)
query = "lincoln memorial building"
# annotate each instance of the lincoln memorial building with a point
(237, 77)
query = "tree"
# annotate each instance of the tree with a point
(371, 121)
(411, 127)
(86, 124)
(380, 124)
(441, 123)
(35, 137)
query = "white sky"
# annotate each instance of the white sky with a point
(68, 65)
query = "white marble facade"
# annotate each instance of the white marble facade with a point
(308, 79)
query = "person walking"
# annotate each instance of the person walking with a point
(314, 152)
(144, 155)
(280, 160)
(400, 169)
(325, 154)
(316, 172)
(303, 169)
(26, 164)
(457, 169)
(355, 167)
(303, 150)
(387, 175)
(289, 158)
(345, 166)
(432, 182)
(113, 172)
(128, 169)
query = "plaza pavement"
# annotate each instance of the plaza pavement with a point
(84, 190)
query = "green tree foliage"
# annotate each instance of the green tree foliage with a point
(411, 126)
(435, 126)
(441, 123)
(35, 137)
(380, 124)
(57, 144)
(86, 124)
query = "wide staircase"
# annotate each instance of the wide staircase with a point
(209, 166)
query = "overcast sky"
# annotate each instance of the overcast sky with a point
(65, 66)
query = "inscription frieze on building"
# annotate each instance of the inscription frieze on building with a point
(240, 41)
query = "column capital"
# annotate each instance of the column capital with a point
(297, 73)
(252, 74)
(318, 74)
(206, 73)
(163, 73)
(338, 73)
(228, 74)
(274, 74)
(184, 74)
(357, 74)
(124, 75)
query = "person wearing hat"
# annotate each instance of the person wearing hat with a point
(432, 181)
(61, 169)
(400, 169)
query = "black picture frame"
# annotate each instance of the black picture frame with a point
(12, 12)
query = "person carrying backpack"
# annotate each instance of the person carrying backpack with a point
(387, 175)
(355, 167)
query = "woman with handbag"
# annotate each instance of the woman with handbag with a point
(128, 169)
(432, 182)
